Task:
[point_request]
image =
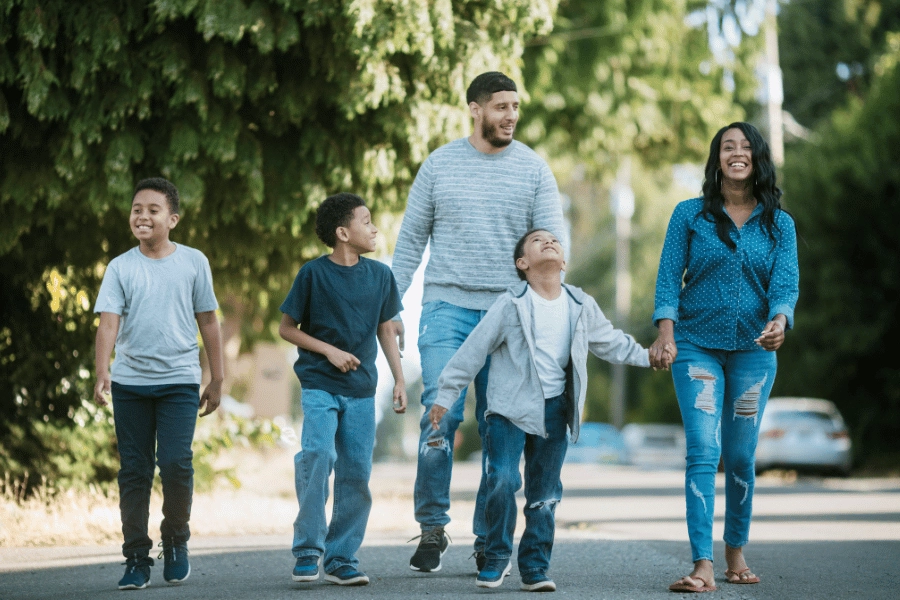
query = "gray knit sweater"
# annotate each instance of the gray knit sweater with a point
(473, 208)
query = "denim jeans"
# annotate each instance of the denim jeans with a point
(722, 395)
(155, 426)
(443, 328)
(339, 435)
(504, 445)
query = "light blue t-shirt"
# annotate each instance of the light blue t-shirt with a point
(157, 300)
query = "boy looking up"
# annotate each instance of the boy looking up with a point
(537, 335)
(341, 302)
(151, 300)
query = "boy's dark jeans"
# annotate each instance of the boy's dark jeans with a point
(505, 443)
(155, 426)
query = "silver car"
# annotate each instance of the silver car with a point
(803, 433)
(655, 445)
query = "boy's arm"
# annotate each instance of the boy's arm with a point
(611, 344)
(344, 361)
(106, 340)
(212, 342)
(462, 368)
(388, 341)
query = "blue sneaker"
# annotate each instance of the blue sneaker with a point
(537, 582)
(306, 569)
(176, 566)
(492, 574)
(347, 575)
(137, 573)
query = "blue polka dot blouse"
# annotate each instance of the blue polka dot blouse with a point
(721, 298)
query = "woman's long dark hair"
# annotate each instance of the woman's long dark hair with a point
(764, 189)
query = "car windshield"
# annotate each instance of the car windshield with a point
(796, 416)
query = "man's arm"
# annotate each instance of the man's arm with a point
(343, 361)
(106, 340)
(392, 352)
(212, 342)
(547, 213)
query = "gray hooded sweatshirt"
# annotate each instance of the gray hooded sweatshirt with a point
(514, 388)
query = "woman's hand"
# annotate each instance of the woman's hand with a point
(773, 334)
(663, 351)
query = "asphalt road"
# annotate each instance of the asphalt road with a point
(620, 536)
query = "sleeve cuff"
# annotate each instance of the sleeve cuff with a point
(665, 312)
(783, 309)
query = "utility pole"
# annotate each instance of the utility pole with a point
(772, 89)
(622, 203)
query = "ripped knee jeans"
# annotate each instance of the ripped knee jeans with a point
(504, 445)
(721, 395)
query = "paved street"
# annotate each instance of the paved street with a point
(620, 535)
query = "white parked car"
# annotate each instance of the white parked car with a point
(655, 445)
(803, 433)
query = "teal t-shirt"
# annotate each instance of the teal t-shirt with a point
(157, 300)
(342, 306)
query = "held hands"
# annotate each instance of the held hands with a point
(437, 413)
(211, 397)
(772, 335)
(662, 353)
(344, 361)
(400, 397)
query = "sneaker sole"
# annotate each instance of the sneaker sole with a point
(434, 570)
(541, 586)
(131, 586)
(498, 582)
(361, 580)
(174, 581)
(306, 577)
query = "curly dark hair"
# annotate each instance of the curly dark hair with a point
(336, 211)
(764, 189)
(164, 187)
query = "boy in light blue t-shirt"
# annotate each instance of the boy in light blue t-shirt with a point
(150, 303)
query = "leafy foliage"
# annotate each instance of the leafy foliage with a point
(844, 190)
(256, 109)
(829, 49)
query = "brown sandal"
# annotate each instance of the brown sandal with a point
(737, 576)
(683, 586)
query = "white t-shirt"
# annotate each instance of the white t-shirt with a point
(157, 300)
(552, 341)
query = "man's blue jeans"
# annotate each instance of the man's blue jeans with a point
(443, 328)
(504, 445)
(155, 426)
(339, 435)
(722, 395)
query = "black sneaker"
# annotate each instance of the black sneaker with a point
(347, 575)
(137, 573)
(480, 560)
(432, 545)
(176, 566)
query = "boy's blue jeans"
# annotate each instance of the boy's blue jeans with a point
(722, 395)
(443, 328)
(339, 435)
(504, 445)
(155, 426)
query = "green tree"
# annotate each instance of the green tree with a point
(828, 52)
(256, 109)
(844, 191)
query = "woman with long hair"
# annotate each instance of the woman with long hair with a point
(725, 295)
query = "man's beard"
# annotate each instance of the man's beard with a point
(489, 133)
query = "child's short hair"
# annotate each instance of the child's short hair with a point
(486, 85)
(164, 187)
(519, 251)
(336, 211)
